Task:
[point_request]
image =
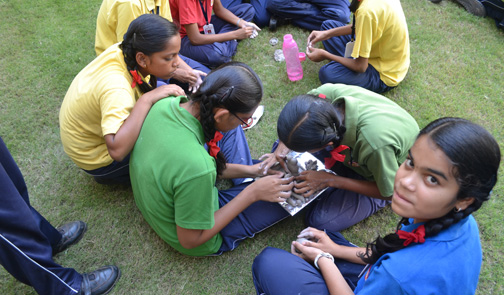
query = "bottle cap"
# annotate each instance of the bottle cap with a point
(302, 56)
(287, 37)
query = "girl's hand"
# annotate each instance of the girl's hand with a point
(244, 33)
(185, 75)
(316, 54)
(310, 181)
(272, 188)
(318, 239)
(163, 91)
(307, 253)
(271, 159)
(316, 36)
(255, 28)
(196, 84)
(259, 170)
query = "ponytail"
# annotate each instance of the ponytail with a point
(233, 86)
(149, 33)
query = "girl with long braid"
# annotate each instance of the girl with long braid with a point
(173, 174)
(107, 102)
(450, 171)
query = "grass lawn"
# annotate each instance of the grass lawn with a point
(457, 63)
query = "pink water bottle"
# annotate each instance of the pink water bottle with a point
(291, 54)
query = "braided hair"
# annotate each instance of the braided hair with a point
(308, 123)
(149, 33)
(475, 158)
(233, 86)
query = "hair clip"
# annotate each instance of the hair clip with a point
(226, 94)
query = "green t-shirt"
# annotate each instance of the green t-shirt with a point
(173, 176)
(378, 131)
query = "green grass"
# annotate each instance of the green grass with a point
(456, 70)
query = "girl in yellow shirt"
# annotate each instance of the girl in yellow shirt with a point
(107, 102)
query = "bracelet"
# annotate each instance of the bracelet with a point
(237, 23)
(323, 254)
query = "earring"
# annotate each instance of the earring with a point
(457, 209)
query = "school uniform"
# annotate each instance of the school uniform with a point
(381, 36)
(173, 179)
(27, 239)
(114, 18)
(186, 12)
(310, 14)
(97, 103)
(447, 263)
(379, 134)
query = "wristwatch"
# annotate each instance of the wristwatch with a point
(323, 254)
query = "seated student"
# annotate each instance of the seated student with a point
(472, 6)
(173, 175)
(112, 23)
(212, 39)
(380, 57)
(359, 134)
(450, 171)
(309, 14)
(261, 15)
(490, 8)
(107, 102)
(28, 241)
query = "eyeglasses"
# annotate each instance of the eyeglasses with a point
(245, 124)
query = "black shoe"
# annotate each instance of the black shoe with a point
(272, 23)
(473, 6)
(71, 233)
(100, 281)
(435, 1)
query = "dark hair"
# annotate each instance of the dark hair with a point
(475, 156)
(307, 122)
(233, 86)
(354, 5)
(148, 34)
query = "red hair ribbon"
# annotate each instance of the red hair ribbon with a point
(335, 156)
(136, 79)
(416, 236)
(213, 149)
(323, 96)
